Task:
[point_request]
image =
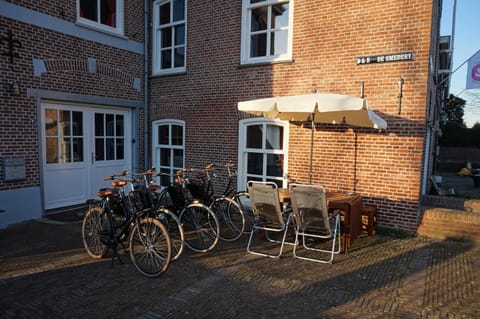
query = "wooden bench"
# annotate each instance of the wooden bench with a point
(369, 219)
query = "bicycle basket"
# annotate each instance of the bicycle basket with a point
(177, 199)
(198, 190)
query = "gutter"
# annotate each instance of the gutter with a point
(146, 124)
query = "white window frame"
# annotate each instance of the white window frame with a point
(245, 33)
(119, 17)
(156, 147)
(243, 150)
(157, 42)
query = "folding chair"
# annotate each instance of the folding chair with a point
(313, 222)
(269, 215)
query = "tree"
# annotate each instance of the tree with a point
(454, 111)
(476, 126)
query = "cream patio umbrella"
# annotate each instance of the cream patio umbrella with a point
(317, 108)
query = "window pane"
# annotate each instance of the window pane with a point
(51, 122)
(52, 150)
(110, 149)
(166, 59)
(177, 135)
(255, 163)
(178, 158)
(178, 10)
(279, 16)
(166, 37)
(258, 45)
(256, 1)
(259, 19)
(77, 123)
(163, 137)
(275, 165)
(110, 125)
(165, 157)
(88, 9)
(165, 13)
(254, 136)
(99, 149)
(165, 180)
(279, 40)
(65, 123)
(108, 12)
(274, 138)
(180, 35)
(179, 57)
(120, 149)
(276, 181)
(78, 149)
(119, 125)
(65, 151)
(99, 129)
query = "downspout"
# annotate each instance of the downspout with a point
(146, 120)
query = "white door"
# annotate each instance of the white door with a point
(81, 146)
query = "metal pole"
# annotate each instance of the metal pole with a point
(311, 149)
(454, 16)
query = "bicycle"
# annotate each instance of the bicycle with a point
(112, 220)
(242, 198)
(146, 196)
(200, 224)
(228, 211)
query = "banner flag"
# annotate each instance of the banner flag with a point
(473, 72)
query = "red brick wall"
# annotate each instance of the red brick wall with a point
(328, 36)
(19, 121)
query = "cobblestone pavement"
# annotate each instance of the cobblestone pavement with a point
(45, 273)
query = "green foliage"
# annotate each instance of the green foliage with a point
(454, 131)
(454, 134)
(454, 110)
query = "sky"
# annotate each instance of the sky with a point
(466, 42)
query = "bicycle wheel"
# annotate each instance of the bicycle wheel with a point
(95, 227)
(200, 227)
(175, 230)
(230, 218)
(243, 200)
(150, 248)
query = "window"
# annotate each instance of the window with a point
(103, 14)
(263, 151)
(109, 137)
(63, 136)
(168, 148)
(266, 31)
(169, 36)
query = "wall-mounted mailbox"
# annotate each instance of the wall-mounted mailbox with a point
(13, 168)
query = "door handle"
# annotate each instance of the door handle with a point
(93, 158)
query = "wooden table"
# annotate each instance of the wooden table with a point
(351, 207)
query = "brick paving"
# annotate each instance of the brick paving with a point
(45, 273)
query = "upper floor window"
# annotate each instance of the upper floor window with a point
(103, 14)
(169, 36)
(266, 31)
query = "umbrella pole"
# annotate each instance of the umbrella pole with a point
(311, 149)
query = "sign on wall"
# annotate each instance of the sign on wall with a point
(384, 58)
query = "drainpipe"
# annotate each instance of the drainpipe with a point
(145, 86)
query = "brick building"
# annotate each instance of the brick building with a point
(245, 50)
(72, 100)
(203, 58)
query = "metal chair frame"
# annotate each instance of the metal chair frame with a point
(313, 198)
(269, 215)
